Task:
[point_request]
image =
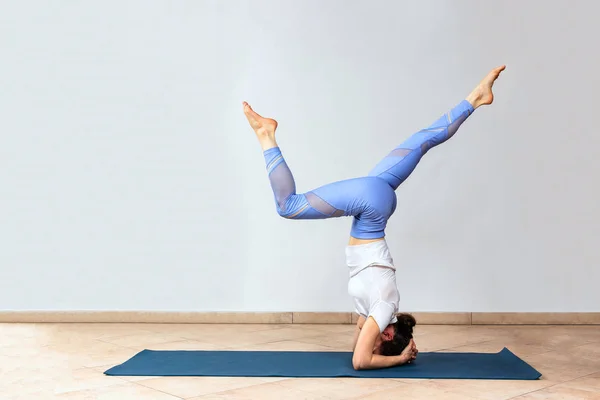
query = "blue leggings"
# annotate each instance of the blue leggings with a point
(371, 200)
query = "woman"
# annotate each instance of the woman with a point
(382, 338)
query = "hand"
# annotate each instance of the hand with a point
(410, 352)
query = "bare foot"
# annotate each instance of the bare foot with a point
(263, 127)
(482, 94)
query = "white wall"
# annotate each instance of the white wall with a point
(129, 179)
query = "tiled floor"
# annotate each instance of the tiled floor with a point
(66, 361)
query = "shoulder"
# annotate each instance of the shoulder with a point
(384, 313)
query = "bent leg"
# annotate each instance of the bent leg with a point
(290, 204)
(401, 161)
(368, 197)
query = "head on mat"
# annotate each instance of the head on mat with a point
(397, 336)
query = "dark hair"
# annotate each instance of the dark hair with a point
(403, 332)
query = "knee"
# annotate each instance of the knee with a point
(283, 214)
(290, 208)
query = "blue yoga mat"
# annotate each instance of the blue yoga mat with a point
(302, 364)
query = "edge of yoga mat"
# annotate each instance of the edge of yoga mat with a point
(405, 371)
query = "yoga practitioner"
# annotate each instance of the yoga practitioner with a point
(383, 337)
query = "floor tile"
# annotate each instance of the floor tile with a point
(486, 389)
(123, 391)
(267, 391)
(68, 361)
(187, 387)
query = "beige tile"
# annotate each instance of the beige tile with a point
(21, 360)
(28, 382)
(97, 330)
(77, 356)
(443, 341)
(144, 339)
(12, 341)
(284, 345)
(228, 339)
(486, 389)
(413, 392)
(561, 393)
(586, 351)
(561, 366)
(224, 339)
(590, 383)
(122, 391)
(343, 329)
(321, 318)
(340, 342)
(560, 342)
(186, 329)
(266, 391)
(186, 387)
(20, 330)
(101, 369)
(28, 393)
(535, 318)
(494, 346)
(38, 359)
(421, 330)
(287, 333)
(179, 345)
(83, 379)
(341, 388)
(442, 318)
(113, 357)
(88, 346)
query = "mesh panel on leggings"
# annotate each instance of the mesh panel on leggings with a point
(399, 152)
(322, 206)
(453, 126)
(282, 183)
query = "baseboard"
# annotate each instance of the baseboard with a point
(437, 318)
(423, 318)
(157, 317)
(536, 318)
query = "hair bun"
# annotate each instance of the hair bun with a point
(406, 319)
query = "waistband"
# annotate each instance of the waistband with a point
(365, 255)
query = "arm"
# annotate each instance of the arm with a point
(364, 357)
(359, 325)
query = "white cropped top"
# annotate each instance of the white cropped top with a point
(372, 282)
(365, 255)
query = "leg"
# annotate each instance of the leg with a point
(400, 163)
(289, 203)
(369, 197)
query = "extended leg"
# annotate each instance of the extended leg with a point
(401, 161)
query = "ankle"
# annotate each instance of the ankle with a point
(267, 143)
(474, 99)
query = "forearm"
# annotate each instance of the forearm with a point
(355, 338)
(359, 325)
(378, 361)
